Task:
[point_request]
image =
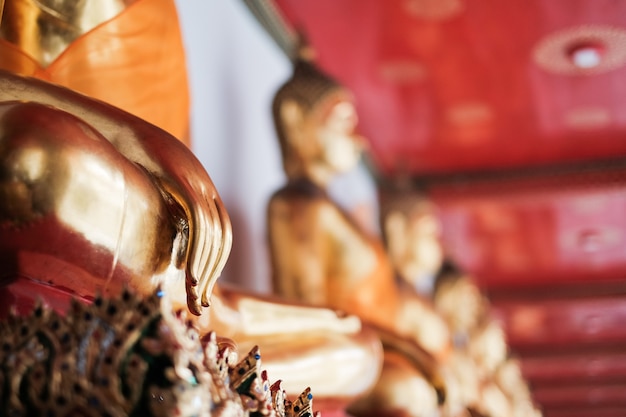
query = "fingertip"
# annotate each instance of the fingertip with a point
(194, 306)
(191, 278)
(195, 309)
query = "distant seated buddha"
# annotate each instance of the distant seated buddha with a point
(479, 375)
(321, 256)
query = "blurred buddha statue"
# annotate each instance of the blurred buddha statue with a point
(412, 235)
(481, 355)
(321, 256)
(411, 232)
(479, 375)
(467, 313)
(93, 199)
(492, 381)
(509, 378)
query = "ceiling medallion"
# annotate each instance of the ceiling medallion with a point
(582, 50)
(434, 9)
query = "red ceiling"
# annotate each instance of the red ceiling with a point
(465, 85)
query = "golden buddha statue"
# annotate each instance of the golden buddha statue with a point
(411, 232)
(480, 343)
(412, 237)
(321, 256)
(94, 199)
(479, 374)
(509, 378)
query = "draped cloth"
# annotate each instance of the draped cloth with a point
(135, 61)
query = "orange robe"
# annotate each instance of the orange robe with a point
(135, 61)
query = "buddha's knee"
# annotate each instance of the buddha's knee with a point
(37, 145)
(25, 177)
(69, 201)
(400, 391)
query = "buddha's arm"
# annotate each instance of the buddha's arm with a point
(297, 250)
(183, 181)
(318, 255)
(418, 318)
(262, 316)
(417, 356)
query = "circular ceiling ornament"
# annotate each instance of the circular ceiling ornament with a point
(582, 50)
(586, 55)
(434, 9)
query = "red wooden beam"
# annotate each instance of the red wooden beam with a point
(585, 412)
(565, 323)
(599, 366)
(584, 395)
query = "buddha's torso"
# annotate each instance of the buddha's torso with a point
(353, 272)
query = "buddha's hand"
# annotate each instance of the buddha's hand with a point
(199, 214)
(210, 241)
(195, 206)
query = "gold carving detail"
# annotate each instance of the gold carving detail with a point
(130, 356)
